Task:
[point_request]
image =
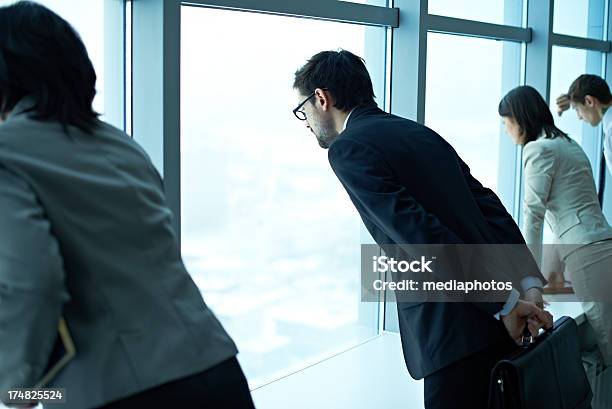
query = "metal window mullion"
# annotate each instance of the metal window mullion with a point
(156, 92)
(580, 42)
(127, 76)
(376, 55)
(538, 55)
(409, 61)
(537, 60)
(339, 11)
(452, 25)
(407, 86)
(591, 136)
(114, 64)
(512, 70)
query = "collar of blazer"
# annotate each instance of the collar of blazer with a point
(360, 111)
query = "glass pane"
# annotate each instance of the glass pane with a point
(461, 104)
(566, 65)
(508, 12)
(87, 17)
(268, 233)
(582, 18)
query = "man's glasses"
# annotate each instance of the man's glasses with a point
(301, 115)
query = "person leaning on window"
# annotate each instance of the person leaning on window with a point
(410, 187)
(85, 233)
(590, 97)
(559, 186)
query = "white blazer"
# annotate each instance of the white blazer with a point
(559, 186)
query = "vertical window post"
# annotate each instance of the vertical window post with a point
(156, 91)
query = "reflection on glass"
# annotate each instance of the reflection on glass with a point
(581, 18)
(508, 12)
(461, 102)
(268, 233)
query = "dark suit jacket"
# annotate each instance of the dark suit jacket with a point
(410, 186)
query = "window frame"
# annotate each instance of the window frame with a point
(155, 78)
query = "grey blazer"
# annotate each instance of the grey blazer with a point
(85, 233)
(559, 186)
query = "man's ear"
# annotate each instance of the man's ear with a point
(324, 99)
(589, 101)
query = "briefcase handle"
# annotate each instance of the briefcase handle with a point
(528, 339)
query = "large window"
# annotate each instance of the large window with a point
(466, 79)
(268, 233)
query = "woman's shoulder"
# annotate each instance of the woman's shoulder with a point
(541, 147)
(550, 145)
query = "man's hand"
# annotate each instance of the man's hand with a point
(534, 295)
(563, 103)
(526, 314)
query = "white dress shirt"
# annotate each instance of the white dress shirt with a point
(347, 118)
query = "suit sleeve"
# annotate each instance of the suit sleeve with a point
(526, 268)
(32, 289)
(538, 170)
(376, 193)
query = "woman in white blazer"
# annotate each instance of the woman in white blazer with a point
(559, 187)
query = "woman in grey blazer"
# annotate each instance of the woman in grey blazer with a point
(559, 187)
(85, 234)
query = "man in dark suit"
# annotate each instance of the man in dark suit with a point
(410, 186)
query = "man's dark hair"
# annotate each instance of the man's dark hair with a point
(42, 57)
(527, 107)
(342, 73)
(588, 84)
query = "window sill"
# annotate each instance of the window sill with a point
(370, 375)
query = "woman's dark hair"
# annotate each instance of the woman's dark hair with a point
(527, 107)
(342, 73)
(43, 58)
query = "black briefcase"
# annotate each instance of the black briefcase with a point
(544, 374)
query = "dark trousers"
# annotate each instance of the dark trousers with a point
(465, 384)
(223, 386)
